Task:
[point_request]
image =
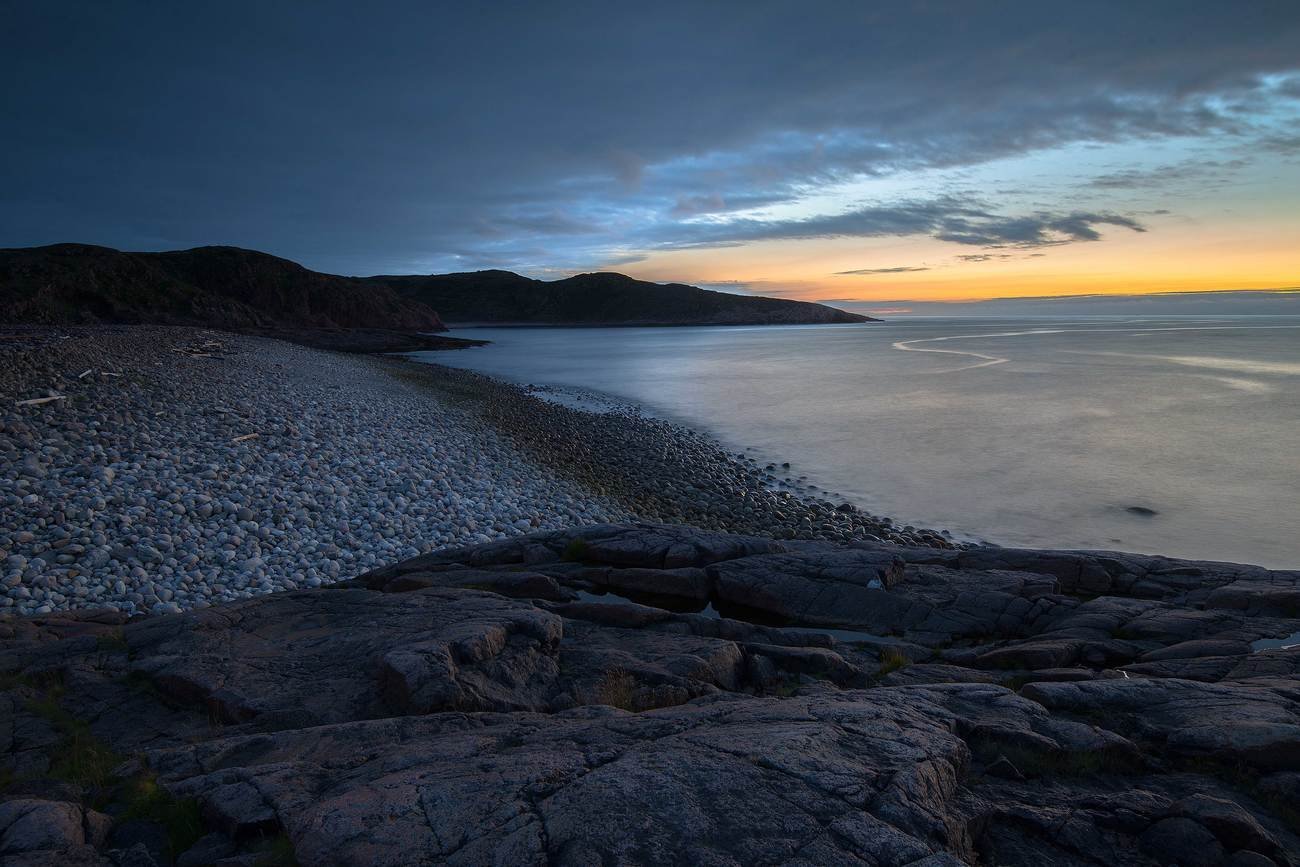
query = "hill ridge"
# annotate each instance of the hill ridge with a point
(241, 289)
(497, 296)
(217, 286)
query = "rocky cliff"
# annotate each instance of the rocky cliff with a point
(503, 297)
(651, 694)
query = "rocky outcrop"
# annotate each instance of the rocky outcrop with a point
(630, 694)
(506, 298)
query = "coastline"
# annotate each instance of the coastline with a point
(1056, 449)
(516, 637)
(461, 326)
(157, 469)
(776, 469)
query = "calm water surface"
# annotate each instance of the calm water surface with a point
(1023, 431)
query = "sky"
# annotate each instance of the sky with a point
(866, 154)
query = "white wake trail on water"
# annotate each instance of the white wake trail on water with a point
(985, 360)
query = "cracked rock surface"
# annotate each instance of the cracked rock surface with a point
(651, 694)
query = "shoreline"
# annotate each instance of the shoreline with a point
(777, 471)
(460, 326)
(159, 468)
(627, 452)
(1038, 454)
(567, 662)
(174, 468)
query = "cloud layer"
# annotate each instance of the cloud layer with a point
(953, 220)
(412, 136)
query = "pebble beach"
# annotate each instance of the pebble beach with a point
(154, 469)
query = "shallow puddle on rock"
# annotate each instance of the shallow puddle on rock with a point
(679, 605)
(1284, 643)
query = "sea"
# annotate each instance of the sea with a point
(1176, 436)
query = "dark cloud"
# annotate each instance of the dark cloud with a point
(628, 259)
(1282, 143)
(996, 257)
(543, 223)
(417, 135)
(902, 269)
(947, 219)
(1037, 230)
(715, 203)
(1200, 171)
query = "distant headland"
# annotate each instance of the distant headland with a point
(254, 292)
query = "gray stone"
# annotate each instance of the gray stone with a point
(28, 825)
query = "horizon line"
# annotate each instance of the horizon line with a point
(1281, 290)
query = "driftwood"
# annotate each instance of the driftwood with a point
(37, 401)
(251, 436)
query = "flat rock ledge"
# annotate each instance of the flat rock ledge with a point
(651, 694)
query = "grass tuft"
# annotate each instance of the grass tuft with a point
(617, 689)
(80, 758)
(148, 801)
(576, 550)
(786, 688)
(277, 852)
(892, 659)
(112, 642)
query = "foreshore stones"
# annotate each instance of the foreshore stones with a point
(142, 491)
(166, 482)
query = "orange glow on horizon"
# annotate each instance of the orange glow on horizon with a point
(1170, 258)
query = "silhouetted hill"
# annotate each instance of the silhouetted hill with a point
(604, 298)
(223, 287)
(244, 290)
